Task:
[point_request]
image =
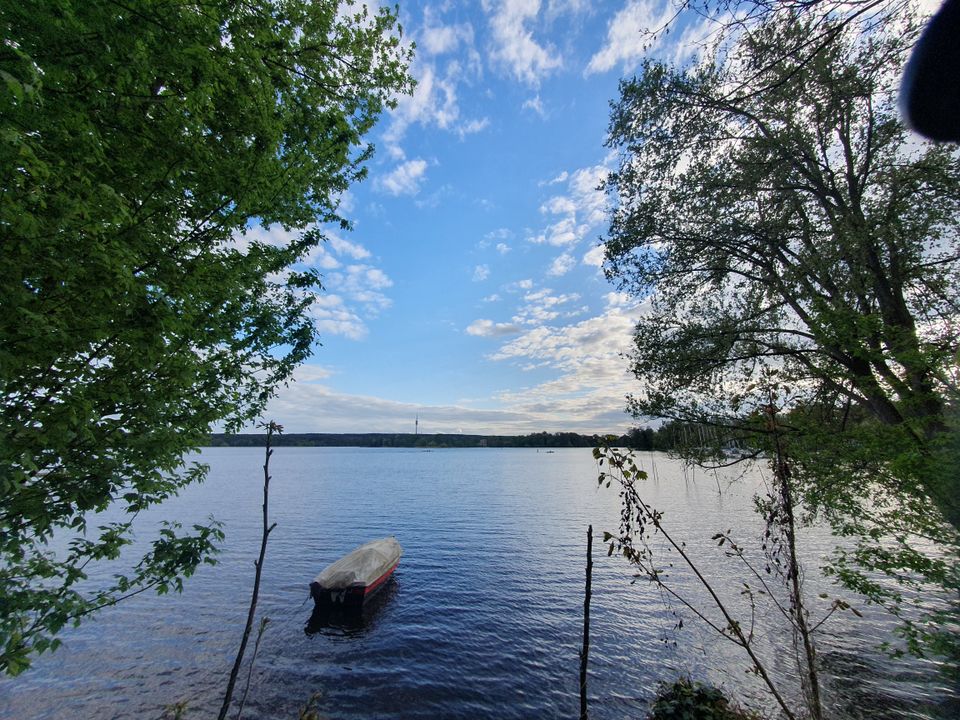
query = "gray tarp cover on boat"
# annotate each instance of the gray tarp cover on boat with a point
(363, 565)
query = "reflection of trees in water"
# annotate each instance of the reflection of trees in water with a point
(854, 679)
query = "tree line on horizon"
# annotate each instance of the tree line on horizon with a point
(664, 438)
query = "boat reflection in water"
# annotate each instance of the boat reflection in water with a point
(350, 622)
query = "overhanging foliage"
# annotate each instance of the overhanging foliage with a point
(800, 250)
(137, 143)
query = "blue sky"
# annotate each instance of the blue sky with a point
(470, 291)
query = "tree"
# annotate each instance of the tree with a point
(800, 253)
(139, 141)
(707, 23)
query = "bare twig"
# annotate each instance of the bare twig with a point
(626, 472)
(256, 648)
(586, 627)
(272, 428)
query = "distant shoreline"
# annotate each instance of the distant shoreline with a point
(409, 440)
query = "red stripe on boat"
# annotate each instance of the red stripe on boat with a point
(380, 580)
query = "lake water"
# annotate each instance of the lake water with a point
(484, 615)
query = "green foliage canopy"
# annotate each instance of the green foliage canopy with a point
(138, 141)
(800, 249)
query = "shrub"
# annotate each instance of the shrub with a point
(689, 700)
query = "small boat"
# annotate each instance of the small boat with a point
(358, 575)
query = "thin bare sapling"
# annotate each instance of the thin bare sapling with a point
(726, 616)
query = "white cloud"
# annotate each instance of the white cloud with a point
(361, 284)
(626, 35)
(346, 203)
(563, 348)
(437, 39)
(559, 234)
(308, 373)
(503, 248)
(591, 202)
(272, 235)
(488, 328)
(374, 277)
(561, 178)
(620, 300)
(352, 291)
(435, 100)
(694, 37)
(637, 32)
(586, 394)
(593, 375)
(562, 265)
(490, 298)
(558, 205)
(582, 207)
(535, 104)
(315, 407)
(329, 255)
(331, 316)
(481, 272)
(514, 47)
(594, 256)
(405, 179)
(472, 126)
(574, 7)
(524, 284)
(542, 307)
(345, 247)
(498, 234)
(320, 259)
(590, 378)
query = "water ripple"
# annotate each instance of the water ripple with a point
(482, 618)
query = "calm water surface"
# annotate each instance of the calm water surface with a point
(484, 616)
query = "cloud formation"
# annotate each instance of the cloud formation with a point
(310, 405)
(587, 395)
(542, 306)
(580, 209)
(405, 179)
(331, 316)
(594, 256)
(439, 39)
(562, 265)
(536, 105)
(488, 328)
(435, 99)
(593, 374)
(627, 42)
(345, 247)
(636, 32)
(354, 289)
(513, 46)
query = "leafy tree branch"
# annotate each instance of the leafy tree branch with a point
(139, 144)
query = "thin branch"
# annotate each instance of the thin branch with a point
(272, 427)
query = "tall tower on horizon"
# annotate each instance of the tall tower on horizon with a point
(416, 425)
